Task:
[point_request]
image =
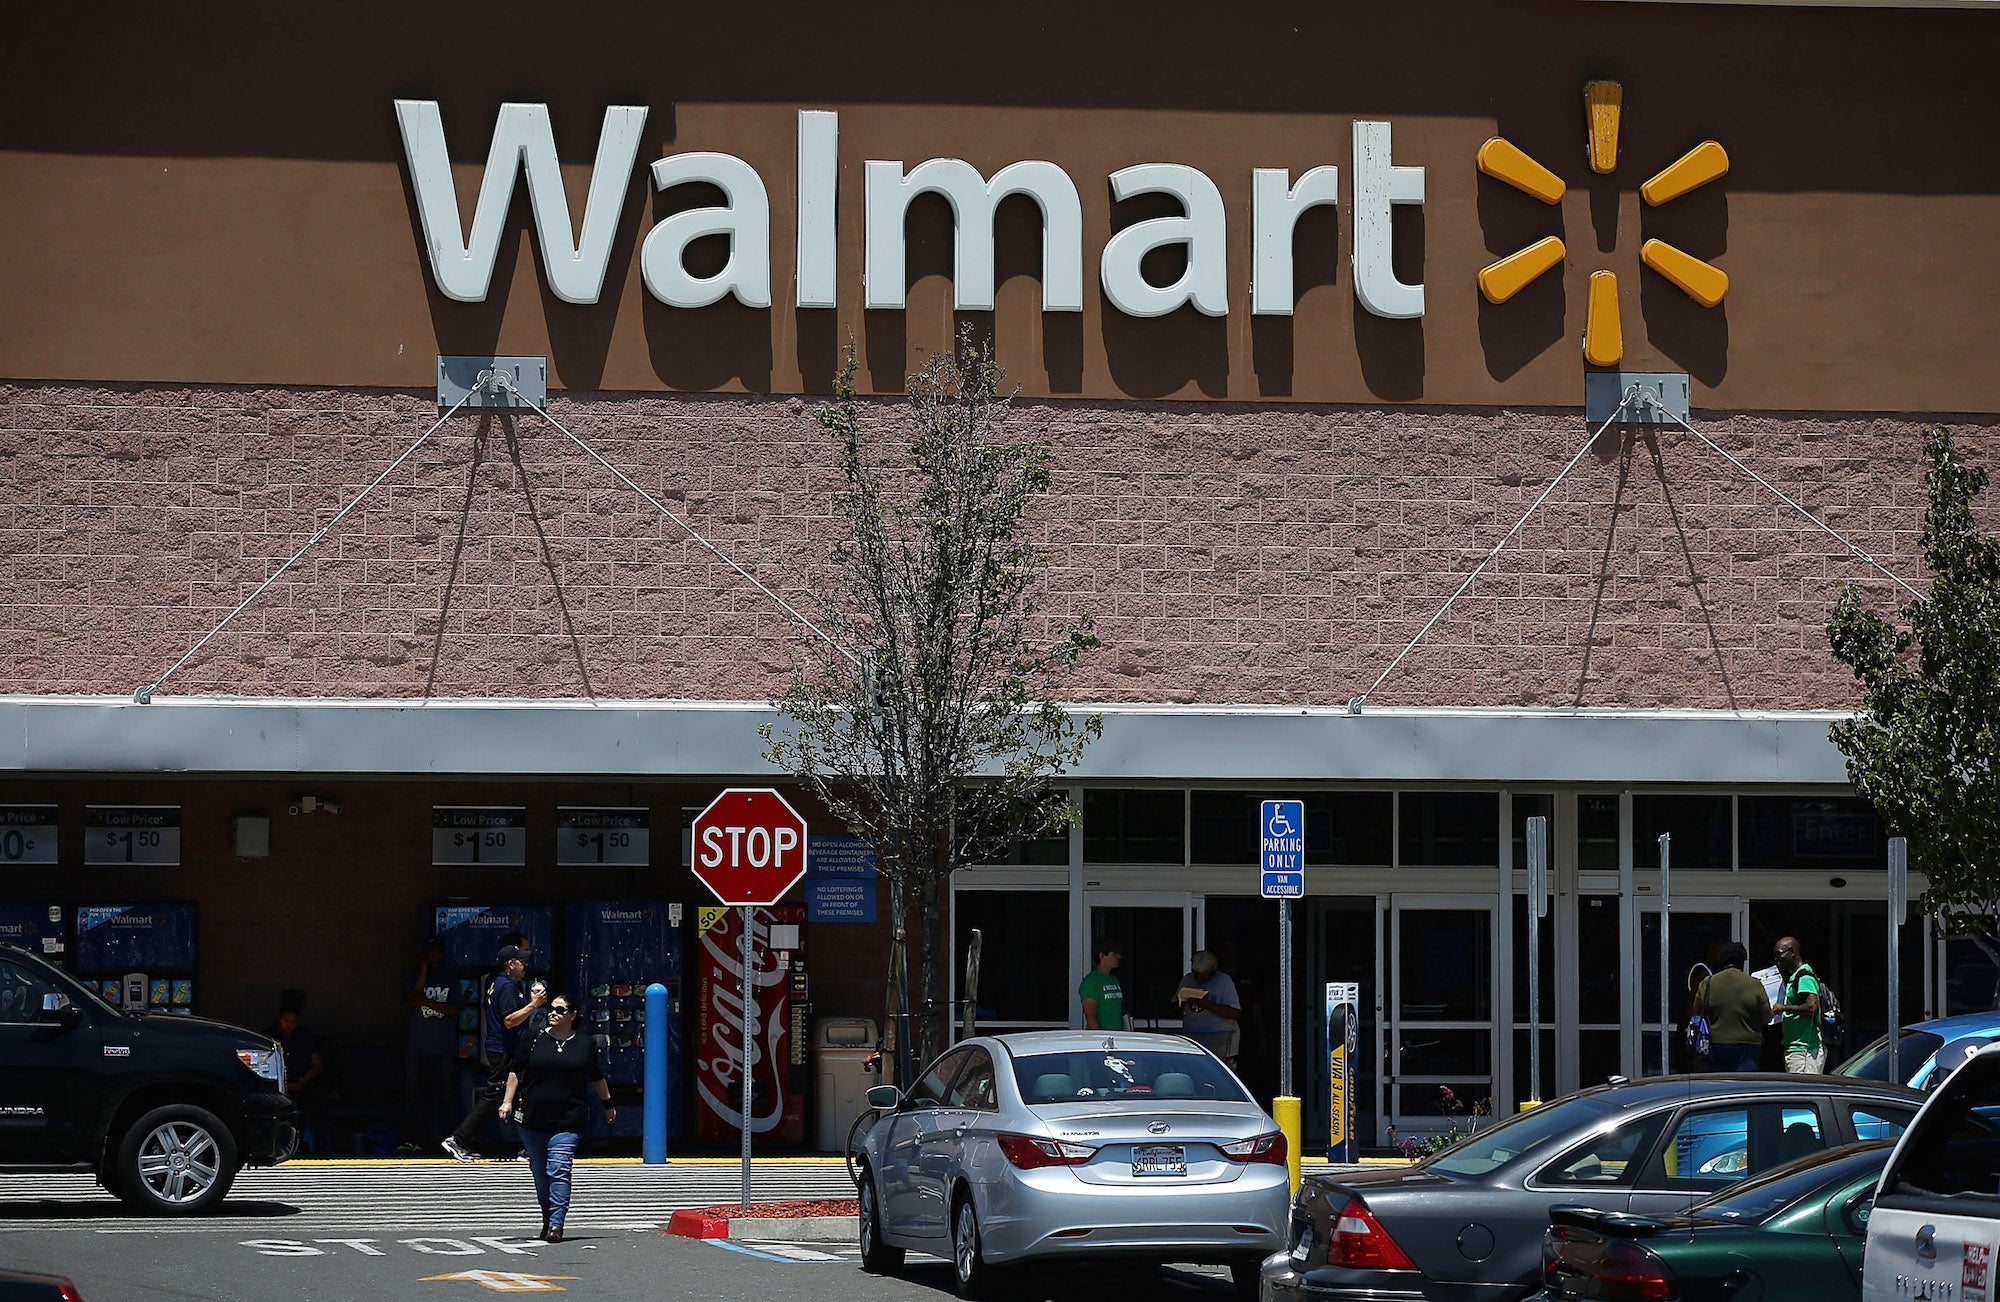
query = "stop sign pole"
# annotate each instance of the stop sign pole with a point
(749, 849)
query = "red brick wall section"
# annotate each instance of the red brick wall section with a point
(1234, 554)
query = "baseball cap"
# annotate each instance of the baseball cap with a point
(508, 953)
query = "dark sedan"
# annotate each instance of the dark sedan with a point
(1793, 1234)
(1466, 1224)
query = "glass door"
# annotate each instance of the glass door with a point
(1156, 936)
(1442, 976)
(1696, 931)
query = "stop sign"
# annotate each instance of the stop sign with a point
(749, 846)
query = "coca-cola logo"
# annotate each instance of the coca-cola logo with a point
(719, 1072)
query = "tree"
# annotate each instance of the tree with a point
(1924, 748)
(935, 737)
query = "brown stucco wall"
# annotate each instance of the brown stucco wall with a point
(1233, 553)
(219, 196)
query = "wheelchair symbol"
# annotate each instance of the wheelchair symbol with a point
(1281, 825)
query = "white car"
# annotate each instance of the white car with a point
(1935, 1228)
(1073, 1145)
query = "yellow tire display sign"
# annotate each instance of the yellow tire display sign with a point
(1343, 1040)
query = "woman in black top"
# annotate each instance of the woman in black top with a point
(547, 1077)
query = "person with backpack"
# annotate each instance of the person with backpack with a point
(1799, 1025)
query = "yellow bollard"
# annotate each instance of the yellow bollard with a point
(1286, 1111)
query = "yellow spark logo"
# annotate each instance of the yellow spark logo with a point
(1603, 340)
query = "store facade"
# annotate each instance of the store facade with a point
(1256, 281)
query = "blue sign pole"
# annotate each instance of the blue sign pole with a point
(1281, 839)
(654, 1141)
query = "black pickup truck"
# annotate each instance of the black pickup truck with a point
(165, 1110)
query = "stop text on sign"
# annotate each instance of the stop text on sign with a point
(758, 847)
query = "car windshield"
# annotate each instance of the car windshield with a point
(1914, 1050)
(1489, 1150)
(1763, 1196)
(1125, 1075)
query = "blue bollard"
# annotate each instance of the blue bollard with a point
(654, 1141)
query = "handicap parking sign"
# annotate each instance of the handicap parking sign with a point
(1282, 836)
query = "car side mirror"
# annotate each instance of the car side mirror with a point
(883, 1098)
(58, 1009)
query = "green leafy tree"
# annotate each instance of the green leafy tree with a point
(1924, 748)
(936, 737)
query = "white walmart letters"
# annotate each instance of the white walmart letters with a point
(576, 267)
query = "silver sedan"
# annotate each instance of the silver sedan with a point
(1068, 1145)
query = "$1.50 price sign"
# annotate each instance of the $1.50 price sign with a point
(490, 835)
(27, 834)
(588, 837)
(132, 834)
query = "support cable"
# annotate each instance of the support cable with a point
(1355, 705)
(1897, 579)
(144, 695)
(691, 531)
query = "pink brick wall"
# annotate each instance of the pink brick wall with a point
(1234, 554)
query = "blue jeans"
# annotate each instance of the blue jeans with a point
(1734, 1057)
(550, 1157)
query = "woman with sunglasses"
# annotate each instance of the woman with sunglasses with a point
(547, 1077)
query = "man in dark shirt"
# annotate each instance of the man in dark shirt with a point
(305, 1068)
(508, 1007)
(430, 1049)
(1737, 1010)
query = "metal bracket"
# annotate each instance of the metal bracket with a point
(1662, 397)
(469, 379)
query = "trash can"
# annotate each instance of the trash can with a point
(841, 1046)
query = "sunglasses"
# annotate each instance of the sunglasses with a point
(560, 1010)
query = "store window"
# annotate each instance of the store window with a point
(1822, 833)
(1450, 829)
(1013, 924)
(1051, 850)
(1699, 826)
(1134, 827)
(1534, 806)
(1343, 828)
(1597, 833)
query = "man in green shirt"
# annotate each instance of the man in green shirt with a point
(1103, 998)
(1799, 1026)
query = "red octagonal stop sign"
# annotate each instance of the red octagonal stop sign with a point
(749, 846)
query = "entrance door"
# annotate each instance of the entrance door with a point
(1442, 961)
(1156, 935)
(1696, 930)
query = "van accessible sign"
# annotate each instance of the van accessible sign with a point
(575, 265)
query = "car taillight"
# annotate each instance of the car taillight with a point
(67, 1291)
(1627, 1272)
(1264, 1148)
(1031, 1151)
(1360, 1242)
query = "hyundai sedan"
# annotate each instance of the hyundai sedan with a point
(1069, 1145)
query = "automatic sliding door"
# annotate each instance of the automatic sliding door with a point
(1441, 1015)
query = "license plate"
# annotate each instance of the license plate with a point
(1159, 1159)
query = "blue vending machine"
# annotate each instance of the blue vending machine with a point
(616, 949)
(38, 928)
(471, 934)
(141, 956)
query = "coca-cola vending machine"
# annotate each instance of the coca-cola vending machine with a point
(777, 1063)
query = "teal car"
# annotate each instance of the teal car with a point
(1793, 1234)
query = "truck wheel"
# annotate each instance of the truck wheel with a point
(177, 1160)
